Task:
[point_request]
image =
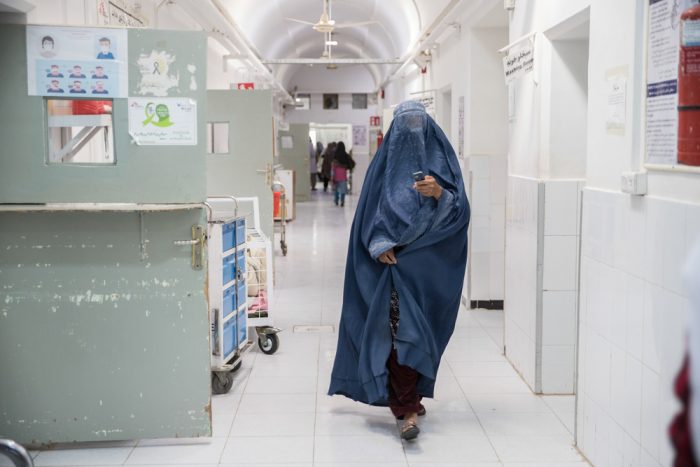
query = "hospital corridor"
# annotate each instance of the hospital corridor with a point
(350, 233)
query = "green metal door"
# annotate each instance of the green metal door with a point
(243, 167)
(296, 158)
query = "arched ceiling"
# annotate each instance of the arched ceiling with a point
(399, 24)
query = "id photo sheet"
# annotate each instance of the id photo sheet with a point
(76, 61)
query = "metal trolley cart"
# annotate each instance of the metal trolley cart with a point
(227, 291)
(259, 277)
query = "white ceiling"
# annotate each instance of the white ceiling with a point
(399, 23)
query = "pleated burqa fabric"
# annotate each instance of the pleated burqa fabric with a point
(430, 238)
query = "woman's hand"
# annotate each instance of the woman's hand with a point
(388, 257)
(429, 187)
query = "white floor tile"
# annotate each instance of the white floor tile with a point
(493, 385)
(282, 424)
(535, 449)
(497, 403)
(429, 448)
(84, 456)
(338, 424)
(523, 424)
(367, 448)
(269, 449)
(177, 451)
(277, 403)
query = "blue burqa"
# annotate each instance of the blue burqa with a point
(430, 238)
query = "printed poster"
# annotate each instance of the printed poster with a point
(163, 121)
(662, 80)
(359, 135)
(78, 62)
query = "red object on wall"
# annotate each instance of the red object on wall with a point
(276, 196)
(88, 107)
(689, 88)
(380, 138)
(246, 86)
(374, 121)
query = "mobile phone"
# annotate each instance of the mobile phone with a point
(418, 176)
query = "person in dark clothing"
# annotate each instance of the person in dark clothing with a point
(405, 270)
(342, 163)
(327, 164)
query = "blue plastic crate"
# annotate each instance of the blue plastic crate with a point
(242, 327)
(230, 301)
(229, 267)
(228, 236)
(230, 336)
(240, 231)
(241, 295)
(240, 263)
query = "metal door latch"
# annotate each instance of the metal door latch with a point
(199, 238)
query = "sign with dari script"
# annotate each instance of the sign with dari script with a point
(519, 61)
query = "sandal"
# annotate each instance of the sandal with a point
(421, 413)
(409, 431)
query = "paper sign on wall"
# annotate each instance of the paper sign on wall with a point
(519, 61)
(617, 102)
(359, 135)
(163, 121)
(429, 101)
(460, 124)
(77, 62)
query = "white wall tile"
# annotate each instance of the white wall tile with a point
(650, 412)
(560, 263)
(632, 410)
(558, 369)
(674, 245)
(558, 318)
(561, 207)
(653, 243)
(692, 226)
(497, 272)
(634, 291)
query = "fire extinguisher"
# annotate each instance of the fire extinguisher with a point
(689, 88)
(380, 138)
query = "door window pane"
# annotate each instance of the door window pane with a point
(80, 131)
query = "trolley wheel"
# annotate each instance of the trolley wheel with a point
(271, 344)
(283, 244)
(221, 382)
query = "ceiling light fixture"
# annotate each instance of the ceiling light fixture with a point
(331, 42)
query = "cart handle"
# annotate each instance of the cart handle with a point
(235, 200)
(16, 453)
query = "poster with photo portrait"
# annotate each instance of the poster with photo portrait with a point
(94, 57)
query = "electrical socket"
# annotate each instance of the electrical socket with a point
(634, 183)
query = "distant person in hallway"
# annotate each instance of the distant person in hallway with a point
(313, 166)
(327, 164)
(319, 156)
(404, 271)
(342, 163)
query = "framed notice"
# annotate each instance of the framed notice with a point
(76, 62)
(164, 121)
(663, 45)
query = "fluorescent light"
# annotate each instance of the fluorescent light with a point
(331, 42)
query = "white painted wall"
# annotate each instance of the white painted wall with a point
(467, 64)
(632, 307)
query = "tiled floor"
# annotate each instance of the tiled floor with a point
(278, 413)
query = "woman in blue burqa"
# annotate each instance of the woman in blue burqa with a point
(405, 270)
